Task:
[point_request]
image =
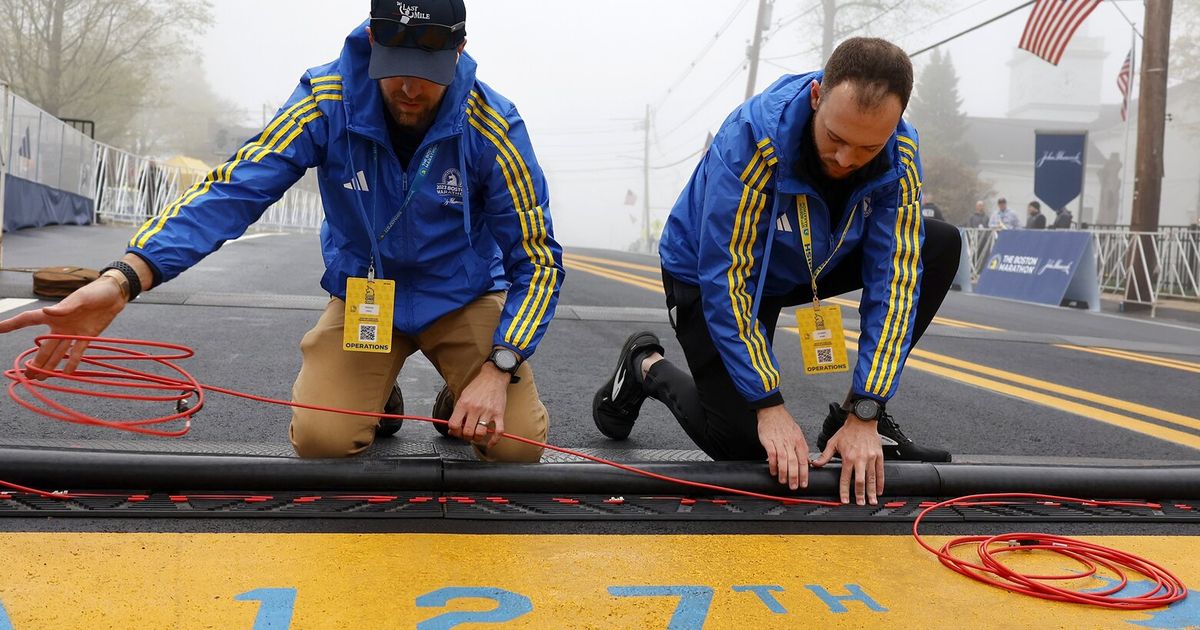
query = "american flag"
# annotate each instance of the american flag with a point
(1123, 78)
(1052, 24)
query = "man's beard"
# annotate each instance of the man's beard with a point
(415, 123)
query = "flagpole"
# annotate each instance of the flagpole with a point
(1125, 147)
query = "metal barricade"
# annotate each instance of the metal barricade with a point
(132, 188)
(1168, 261)
(124, 187)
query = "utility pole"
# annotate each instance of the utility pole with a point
(1147, 186)
(760, 24)
(646, 186)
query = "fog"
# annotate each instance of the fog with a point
(582, 75)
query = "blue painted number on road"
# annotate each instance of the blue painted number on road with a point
(276, 610)
(694, 602)
(510, 605)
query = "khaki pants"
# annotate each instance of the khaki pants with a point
(457, 345)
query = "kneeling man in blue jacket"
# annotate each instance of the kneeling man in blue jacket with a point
(437, 237)
(809, 190)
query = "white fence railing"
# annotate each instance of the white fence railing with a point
(124, 187)
(1168, 261)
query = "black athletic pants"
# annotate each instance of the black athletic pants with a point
(707, 404)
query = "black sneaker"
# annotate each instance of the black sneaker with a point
(896, 445)
(443, 408)
(616, 405)
(388, 427)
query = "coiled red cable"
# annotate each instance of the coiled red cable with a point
(989, 569)
(105, 354)
(110, 379)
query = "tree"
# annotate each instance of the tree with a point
(95, 59)
(184, 117)
(859, 17)
(1185, 41)
(950, 163)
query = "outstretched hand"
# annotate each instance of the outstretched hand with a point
(85, 313)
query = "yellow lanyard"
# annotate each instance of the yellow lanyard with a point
(806, 239)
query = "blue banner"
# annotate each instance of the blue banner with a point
(1058, 165)
(1033, 265)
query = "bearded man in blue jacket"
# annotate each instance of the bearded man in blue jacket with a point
(810, 189)
(436, 213)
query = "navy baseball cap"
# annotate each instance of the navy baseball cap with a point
(417, 38)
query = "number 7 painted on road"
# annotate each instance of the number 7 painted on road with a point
(694, 602)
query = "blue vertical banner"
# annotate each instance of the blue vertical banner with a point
(1059, 162)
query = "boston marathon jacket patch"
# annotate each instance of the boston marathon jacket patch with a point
(734, 233)
(478, 220)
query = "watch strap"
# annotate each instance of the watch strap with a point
(131, 276)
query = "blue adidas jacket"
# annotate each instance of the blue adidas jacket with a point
(734, 232)
(478, 220)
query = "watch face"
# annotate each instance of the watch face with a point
(866, 409)
(504, 359)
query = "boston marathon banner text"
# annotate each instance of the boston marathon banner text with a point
(1041, 266)
(1058, 167)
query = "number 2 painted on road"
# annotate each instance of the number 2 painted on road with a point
(511, 605)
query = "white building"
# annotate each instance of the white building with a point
(1067, 98)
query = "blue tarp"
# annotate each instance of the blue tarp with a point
(29, 204)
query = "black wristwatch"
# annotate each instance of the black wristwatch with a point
(867, 408)
(506, 360)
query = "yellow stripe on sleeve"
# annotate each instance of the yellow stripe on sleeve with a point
(754, 177)
(912, 259)
(900, 298)
(531, 217)
(277, 130)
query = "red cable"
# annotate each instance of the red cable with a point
(989, 570)
(111, 375)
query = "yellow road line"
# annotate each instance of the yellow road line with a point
(637, 281)
(945, 321)
(1137, 358)
(929, 362)
(1092, 413)
(615, 263)
(1073, 392)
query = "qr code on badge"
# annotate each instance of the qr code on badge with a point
(366, 332)
(824, 356)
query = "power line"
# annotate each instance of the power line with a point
(788, 21)
(1129, 21)
(973, 28)
(679, 161)
(925, 27)
(707, 100)
(696, 60)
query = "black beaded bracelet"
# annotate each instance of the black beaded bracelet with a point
(135, 283)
